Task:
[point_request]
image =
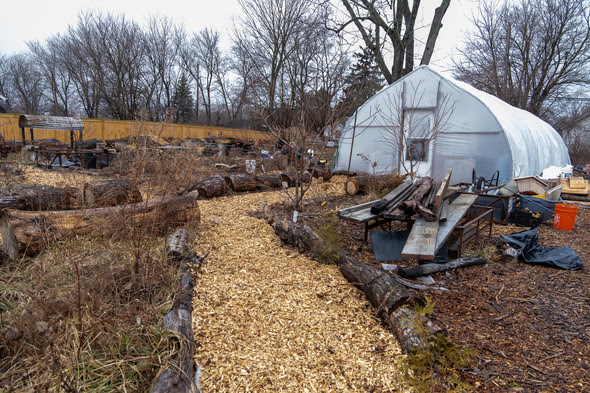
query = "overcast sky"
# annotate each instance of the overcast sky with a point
(25, 20)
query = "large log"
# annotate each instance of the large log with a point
(42, 198)
(379, 286)
(178, 374)
(100, 193)
(28, 233)
(269, 182)
(429, 268)
(300, 236)
(212, 187)
(240, 182)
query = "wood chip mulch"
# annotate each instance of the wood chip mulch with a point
(267, 318)
(530, 325)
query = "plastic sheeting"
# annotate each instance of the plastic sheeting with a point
(474, 130)
(528, 243)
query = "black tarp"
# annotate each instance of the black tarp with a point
(528, 243)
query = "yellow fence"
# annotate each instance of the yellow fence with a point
(115, 129)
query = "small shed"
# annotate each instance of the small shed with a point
(427, 123)
(39, 122)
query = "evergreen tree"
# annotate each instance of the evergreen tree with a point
(363, 81)
(183, 101)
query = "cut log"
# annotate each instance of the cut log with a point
(429, 268)
(379, 286)
(240, 182)
(28, 233)
(405, 323)
(212, 187)
(355, 185)
(300, 236)
(101, 193)
(42, 198)
(267, 182)
(178, 375)
(290, 179)
(320, 172)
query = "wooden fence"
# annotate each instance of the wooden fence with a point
(115, 129)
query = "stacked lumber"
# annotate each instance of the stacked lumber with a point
(575, 188)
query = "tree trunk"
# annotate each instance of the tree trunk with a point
(240, 182)
(379, 286)
(29, 233)
(429, 268)
(43, 198)
(211, 187)
(178, 376)
(269, 182)
(574, 197)
(110, 193)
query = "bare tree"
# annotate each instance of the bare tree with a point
(530, 52)
(23, 84)
(389, 25)
(57, 78)
(162, 65)
(269, 31)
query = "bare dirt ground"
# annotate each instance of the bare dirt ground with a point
(529, 324)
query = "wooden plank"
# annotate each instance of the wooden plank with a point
(455, 212)
(421, 243)
(441, 192)
(358, 213)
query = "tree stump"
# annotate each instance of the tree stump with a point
(240, 182)
(110, 193)
(28, 232)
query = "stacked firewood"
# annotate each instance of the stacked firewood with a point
(417, 197)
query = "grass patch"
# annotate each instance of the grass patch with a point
(438, 365)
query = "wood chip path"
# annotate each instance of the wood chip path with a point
(269, 319)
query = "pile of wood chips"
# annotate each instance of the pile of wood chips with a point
(269, 319)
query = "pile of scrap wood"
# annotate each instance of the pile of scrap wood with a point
(575, 188)
(32, 217)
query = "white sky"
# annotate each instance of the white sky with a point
(25, 20)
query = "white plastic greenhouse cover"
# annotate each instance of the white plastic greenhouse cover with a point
(484, 130)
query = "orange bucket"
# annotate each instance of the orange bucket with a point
(565, 216)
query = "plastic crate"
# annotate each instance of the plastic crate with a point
(538, 205)
(524, 218)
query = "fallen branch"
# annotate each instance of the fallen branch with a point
(179, 372)
(429, 268)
